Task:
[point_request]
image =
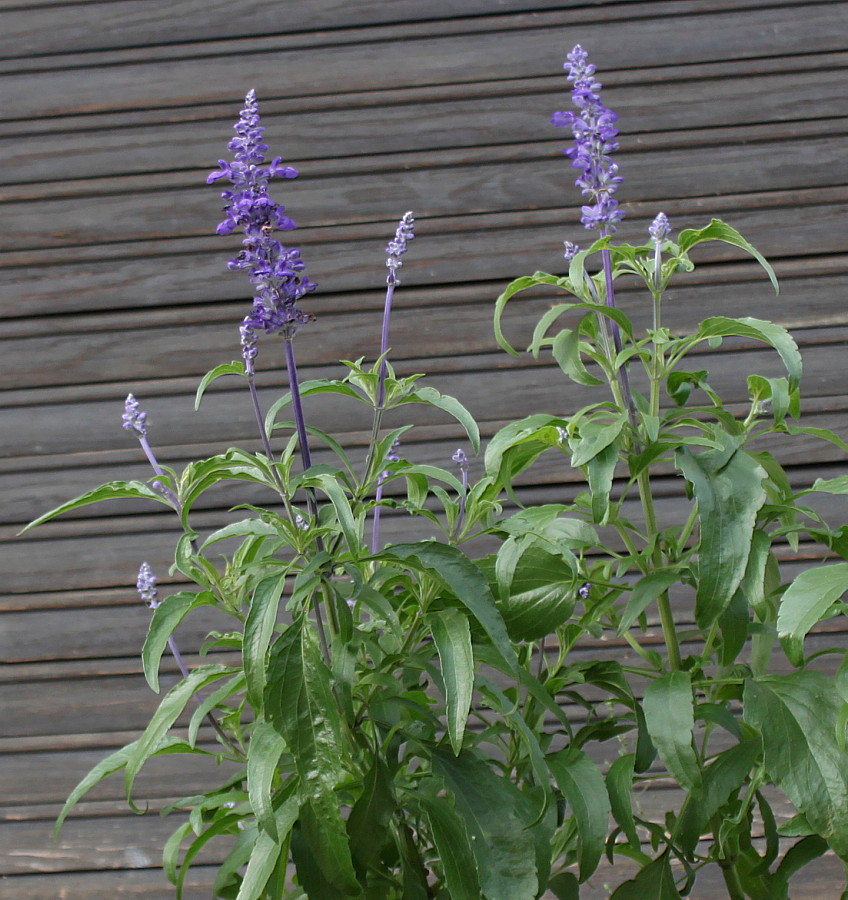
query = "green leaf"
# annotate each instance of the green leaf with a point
(720, 231)
(258, 629)
(599, 473)
(654, 882)
(838, 485)
(368, 822)
(172, 704)
(263, 753)
(540, 596)
(300, 704)
(210, 701)
(645, 591)
(266, 852)
(583, 787)
(234, 368)
(452, 407)
(452, 637)
(729, 490)
(491, 808)
(619, 783)
(242, 528)
(112, 490)
(761, 330)
(595, 436)
(722, 778)
(453, 569)
(805, 602)
(796, 715)
(450, 837)
(113, 763)
(330, 486)
(566, 351)
(670, 717)
(565, 886)
(519, 284)
(166, 617)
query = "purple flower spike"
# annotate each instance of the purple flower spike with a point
(277, 272)
(133, 418)
(146, 585)
(659, 229)
(397, 247)
(595, 134)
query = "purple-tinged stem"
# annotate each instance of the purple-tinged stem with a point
(384, 346)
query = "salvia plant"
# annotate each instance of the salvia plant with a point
(427, 719)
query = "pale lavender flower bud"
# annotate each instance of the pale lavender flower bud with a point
(659, 229)
(397, 247)
(133, 418)
(584, 590)
(146, 585)
(461, 460)
(300, 522)
(569, 250)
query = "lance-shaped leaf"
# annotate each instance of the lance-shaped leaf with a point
(369, 819)
(233, 368)
(796, 715)
(654, 882)
(645, 591)
(266, 852)
(805, 602)
(491, 808)
(167, 615)
(458, 573)
(721, 231)
(729, 490)
(583, 787)
(300, 704)
(263, 754)
(619, 783)
(670, 718)
(452, 407)
(452, 638)
(113, 490)
(450, 837)
(173, 703)
(258, 629)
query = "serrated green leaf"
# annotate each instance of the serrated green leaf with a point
(670, 717)
(796, 715)
(166, 617)
(368, 822)
(452, 638)
(594, 437)
(450, 837)
(583, 787)
(805, 602)
(112, 490)
(491, 810)
(728, 487)
(258, 629)
(234, 368)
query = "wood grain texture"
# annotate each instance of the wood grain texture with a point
(112, 280)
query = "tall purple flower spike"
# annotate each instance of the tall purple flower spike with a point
(594, 139)
(397, 247)
(276, 272)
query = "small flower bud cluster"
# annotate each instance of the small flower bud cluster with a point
(133, 418)
(569, 250)
(595, 135)
(146, 585)
(397, 247)
(659, 229)
(461, 460)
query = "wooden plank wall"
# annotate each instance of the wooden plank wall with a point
(112, 280)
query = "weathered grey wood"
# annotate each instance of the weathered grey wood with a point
(421, 58)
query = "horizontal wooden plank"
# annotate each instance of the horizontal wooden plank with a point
(29, 27)
(648, 104)
(491, 180)
(492, 248)
(120, 82)
(191, 340)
